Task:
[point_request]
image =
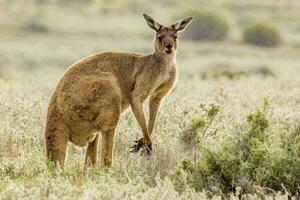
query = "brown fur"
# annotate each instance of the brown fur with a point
(94, 92)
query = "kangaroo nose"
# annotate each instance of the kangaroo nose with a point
(169, 46)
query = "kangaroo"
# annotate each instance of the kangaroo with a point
(94, 91)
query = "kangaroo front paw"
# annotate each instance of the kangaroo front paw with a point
(138, 144)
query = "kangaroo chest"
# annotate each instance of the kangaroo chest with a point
(163, 75)
(161, 78)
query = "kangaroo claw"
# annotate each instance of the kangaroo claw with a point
(138, 144)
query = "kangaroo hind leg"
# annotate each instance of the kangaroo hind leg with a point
(107, 132)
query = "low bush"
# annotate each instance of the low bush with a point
(263, 70)
(250, 159)
(261, 34)
(206, 26)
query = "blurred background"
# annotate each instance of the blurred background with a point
(50, 35)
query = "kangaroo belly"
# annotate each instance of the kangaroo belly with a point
(82, 139)
(82, 100)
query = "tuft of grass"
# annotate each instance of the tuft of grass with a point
(200, 126)
(262, 34)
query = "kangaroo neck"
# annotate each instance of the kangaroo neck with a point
(165, 59)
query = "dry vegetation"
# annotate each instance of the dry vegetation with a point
(221, 96)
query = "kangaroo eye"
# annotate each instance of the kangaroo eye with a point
(175, 37)
(159, 38)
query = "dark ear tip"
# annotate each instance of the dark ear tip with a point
(145, 15)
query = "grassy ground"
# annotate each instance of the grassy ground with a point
(40, 39)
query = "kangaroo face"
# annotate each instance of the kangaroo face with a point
(166, 37)
(166, 40)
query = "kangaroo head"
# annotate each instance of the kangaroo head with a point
(166, 36)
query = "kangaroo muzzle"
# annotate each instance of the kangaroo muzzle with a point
(169, 48)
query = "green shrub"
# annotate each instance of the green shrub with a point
(206, 26)
(200, 126)
(263, 70)
(262, 35)
(248, 157)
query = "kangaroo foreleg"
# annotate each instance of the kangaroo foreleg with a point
(137, 109)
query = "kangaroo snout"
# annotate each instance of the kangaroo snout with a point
(169, 48)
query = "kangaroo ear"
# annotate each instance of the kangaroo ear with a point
(152, 23)
(181, 24)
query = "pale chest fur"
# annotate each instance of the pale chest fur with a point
(166, 72)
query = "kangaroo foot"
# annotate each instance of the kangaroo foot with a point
(138, 144)
(147, 149)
